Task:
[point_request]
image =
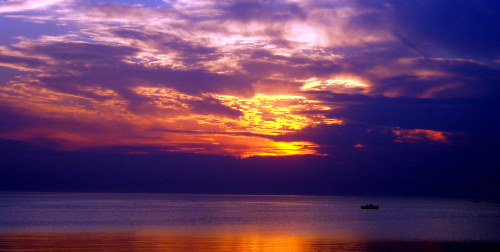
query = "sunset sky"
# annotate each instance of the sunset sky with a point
(253, 78)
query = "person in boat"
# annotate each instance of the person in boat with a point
(369, 206)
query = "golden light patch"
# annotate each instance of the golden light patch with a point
(237, 145)
(285, 149)
(275, 114)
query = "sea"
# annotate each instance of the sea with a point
(187, 222)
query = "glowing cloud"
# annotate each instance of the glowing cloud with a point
(420, 135)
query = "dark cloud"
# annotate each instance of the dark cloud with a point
(79, 51)
(76, 65)
(21, 62)
(263, 10)
(42, 129)
(190, 54)
(187, 52)
(136, 34)
(113, 73)
(263, 63)
(212, 106)
(469, 125)
(21, 119)
(333, 137)
(400, 70)
(159, 129)
(123, 77)
(455, 115)
(12, 119)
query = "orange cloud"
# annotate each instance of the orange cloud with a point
(421, 135)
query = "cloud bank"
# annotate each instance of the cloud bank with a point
(247, 78)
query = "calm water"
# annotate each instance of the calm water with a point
(231, 219)
(397, 219)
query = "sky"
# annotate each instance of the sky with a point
(345, 88)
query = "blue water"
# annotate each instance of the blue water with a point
(305, 216)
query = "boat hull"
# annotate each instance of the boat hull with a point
(370, 207)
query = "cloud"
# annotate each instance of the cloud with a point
(10, 6)
(337, 137)
(262, 11)
(210, 105)
(69, 66)
(21, 63)
(186, 52)
(463, 115)
(397, 72)
(329, 74)
(421, 135)
(82, 52)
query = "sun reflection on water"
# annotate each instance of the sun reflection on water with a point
(179, 241)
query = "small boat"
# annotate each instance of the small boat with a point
(370, 206)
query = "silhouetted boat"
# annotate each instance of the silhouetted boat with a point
(370, 206)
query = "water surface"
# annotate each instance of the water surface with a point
(238, 222)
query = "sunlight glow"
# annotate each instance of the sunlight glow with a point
(284, 149)
(276, 114)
